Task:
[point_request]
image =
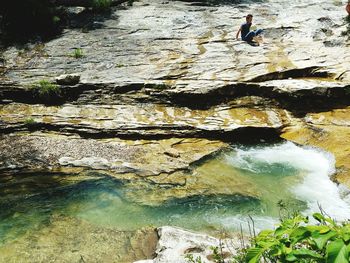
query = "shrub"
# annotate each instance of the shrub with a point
(295, 240)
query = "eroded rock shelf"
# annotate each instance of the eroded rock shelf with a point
(163, 86)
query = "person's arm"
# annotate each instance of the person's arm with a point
(239, 31)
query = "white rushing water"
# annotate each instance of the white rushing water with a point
(315, 188)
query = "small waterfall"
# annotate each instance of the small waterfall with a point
(315, 187)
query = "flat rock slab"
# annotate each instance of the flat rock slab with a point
(141, 157)
(140, 120)
(172, 41)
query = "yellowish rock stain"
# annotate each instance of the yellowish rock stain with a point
(278, 60)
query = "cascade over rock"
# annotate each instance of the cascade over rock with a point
(161, 87)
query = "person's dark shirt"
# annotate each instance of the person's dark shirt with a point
(245, 29)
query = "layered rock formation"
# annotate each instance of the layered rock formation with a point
(163, 85)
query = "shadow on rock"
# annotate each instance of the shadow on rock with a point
(87, 19)
(33, 21)
(220, 2)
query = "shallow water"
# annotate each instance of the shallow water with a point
(296, 175)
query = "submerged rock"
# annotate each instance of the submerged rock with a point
(66, 240)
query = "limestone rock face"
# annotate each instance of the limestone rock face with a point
(164, 86)
(173, 40)
(141, 121)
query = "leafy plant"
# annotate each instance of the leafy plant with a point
(78, 53)
(45, 88)
(294, 240)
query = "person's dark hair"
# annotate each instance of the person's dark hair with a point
(249, 16)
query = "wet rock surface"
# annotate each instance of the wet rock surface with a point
(67, 239)
(141, 121)
(144, 157)
(164, 85)
(328, 130)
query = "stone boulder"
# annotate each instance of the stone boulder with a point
(68, 79)
(175, 243)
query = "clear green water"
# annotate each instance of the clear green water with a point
(28, 201)
(102, 202)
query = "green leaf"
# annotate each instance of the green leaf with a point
(253, 255)
(265, 233)
(291, 258)
(319, 217)
(322, 229)
(322, 239)
(280, 231)
(306, 253)
(298, 234)
(337, 252)
(346, 237)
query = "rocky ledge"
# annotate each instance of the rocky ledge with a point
(164, 86)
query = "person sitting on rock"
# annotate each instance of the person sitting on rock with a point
(246, 34)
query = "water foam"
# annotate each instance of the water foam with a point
(316, 187)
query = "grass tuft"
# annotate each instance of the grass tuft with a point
(78, 53)
(29, 121)
(45, 88)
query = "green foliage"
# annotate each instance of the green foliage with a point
(191, 259)
(217, 254)
(101, 5)
(45, 88)
(78, 53)
(294, 240)
(56, 19)
(29, 121)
